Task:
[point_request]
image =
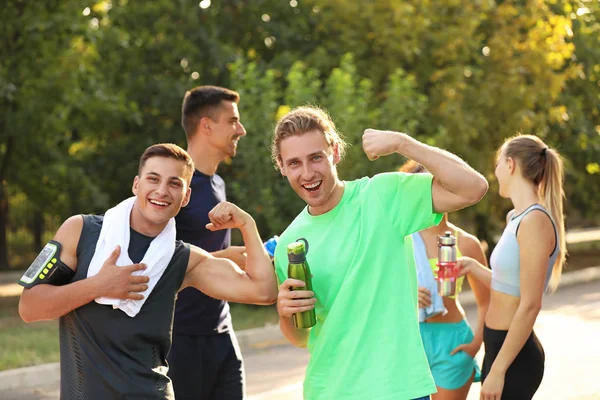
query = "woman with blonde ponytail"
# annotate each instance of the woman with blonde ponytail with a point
(527, 259)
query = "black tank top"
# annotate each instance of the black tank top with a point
(105, 354)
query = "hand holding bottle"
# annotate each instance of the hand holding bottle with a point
(464, 265)
(298, 269)
(447, 273)
(475, 269)
(292, 299)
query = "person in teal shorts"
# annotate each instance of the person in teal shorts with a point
(366, 343)
(448, 340)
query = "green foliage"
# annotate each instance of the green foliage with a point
(86, 87)
(252, 178)
(348, 99)
(303, 85)
(575, 121)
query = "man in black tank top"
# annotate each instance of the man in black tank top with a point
(107, 353)
(205, 360)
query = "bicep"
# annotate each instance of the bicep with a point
(217, 277)
(444, 200)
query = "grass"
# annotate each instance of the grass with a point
(246, 316)
(23, 345)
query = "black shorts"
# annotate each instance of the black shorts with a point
(206, 367)
(525, 374)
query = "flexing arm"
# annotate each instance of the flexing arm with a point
(237, 254)
(45, 302)
(455, 185)
(223, 279)
(536, 242)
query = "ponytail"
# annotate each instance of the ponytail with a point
(551, 192)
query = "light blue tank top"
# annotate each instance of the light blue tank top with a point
(505, 260)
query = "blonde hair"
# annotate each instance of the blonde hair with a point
(305, 119)
(544, 167)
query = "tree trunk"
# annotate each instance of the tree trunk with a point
(4, 204)
(3, 226)
(38, 230)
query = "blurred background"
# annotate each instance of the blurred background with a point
(86, 86)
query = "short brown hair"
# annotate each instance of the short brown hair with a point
(305, 119)
(169, 150)
(203, 101)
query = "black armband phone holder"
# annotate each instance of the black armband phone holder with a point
(47, 268)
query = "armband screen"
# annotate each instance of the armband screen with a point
(47, 268)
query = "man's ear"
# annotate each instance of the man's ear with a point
(134, 187)
(187, 197)
(336, 154)
(205, 124)
(280, 166)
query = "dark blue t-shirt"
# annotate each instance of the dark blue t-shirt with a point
(195, 312)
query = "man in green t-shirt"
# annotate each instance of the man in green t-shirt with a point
(366, 343)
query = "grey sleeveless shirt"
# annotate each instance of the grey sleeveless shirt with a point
(105, 354)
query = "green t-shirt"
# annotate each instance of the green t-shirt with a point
(366, 344)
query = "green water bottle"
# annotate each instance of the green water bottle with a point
(298, 269)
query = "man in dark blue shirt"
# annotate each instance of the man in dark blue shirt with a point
(205, 359)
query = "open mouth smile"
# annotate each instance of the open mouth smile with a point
(159, 203)
(312, 187)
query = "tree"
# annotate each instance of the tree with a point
(40, 75)
(85, 87)
(575, 120)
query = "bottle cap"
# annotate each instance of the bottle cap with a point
(296, 248)
(447, 239)
(297, 251)
(271, 245)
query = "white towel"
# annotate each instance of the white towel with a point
(115, 231)
(426, 279)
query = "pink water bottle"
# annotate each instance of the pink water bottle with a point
(447, 271)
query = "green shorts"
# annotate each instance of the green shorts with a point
(439, 339)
